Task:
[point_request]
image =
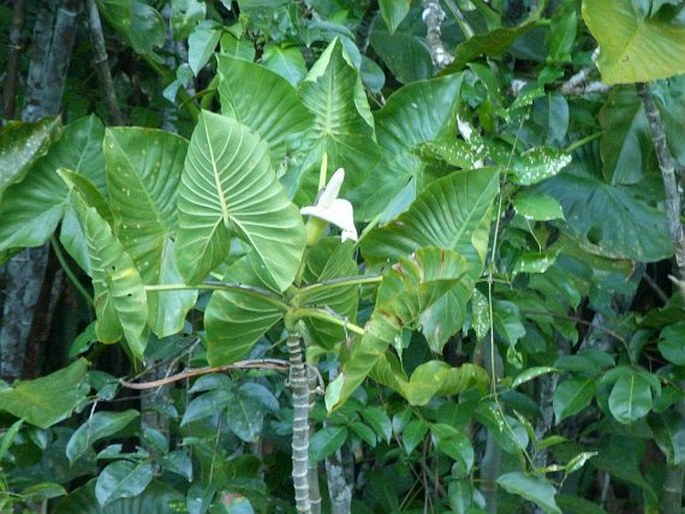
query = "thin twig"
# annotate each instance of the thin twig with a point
(97, 39)
(667, 167)
(269, 364)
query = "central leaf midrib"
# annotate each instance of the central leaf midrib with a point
(217, 179)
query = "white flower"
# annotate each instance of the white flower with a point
(334, 210)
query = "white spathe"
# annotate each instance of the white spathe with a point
(334, 210)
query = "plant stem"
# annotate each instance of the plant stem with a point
(299, 384)
(256, 292)
(313, 312)
(341, 282)
(69, 272)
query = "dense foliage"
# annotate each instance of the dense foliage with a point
(481, 313)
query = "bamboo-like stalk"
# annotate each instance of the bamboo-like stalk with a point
(299, 383)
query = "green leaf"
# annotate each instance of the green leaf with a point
(244, 415)
(538, 207)
(509, 432)
(343, 126)
(669, 434)
(228, 188)
(533, 262)
(185, 14)
(45, 401)
(404, 51)
(264, 101)
(364, 433)
(120, 300)
(327, 261)
(325, 442)
(287, 61)
(493, 43)
(122, 479)
(572, 396)
(378, 419)
(235, 320)
(570, 503)
(630, 398)
(428, 379)
(207, 404)
(671, 343)
(393, 12)
(414, 115)
(413, 434)
(633, 48)
(616, 221)
(456, 445)
(99, 426)
(537, 164)
(137, 21)
(626, 140)
(21, 144)
(530, 374)
(143, 169)
(32, 208)
(8, 437)
(408, 289)
(532, 488)
(42, 492)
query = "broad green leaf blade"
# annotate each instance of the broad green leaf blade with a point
(144, 169)
(49, 399)
(537, 164)
(530, 374)
(634, 48)
(228, 188)
(327, 261)
(404, 52)
(414, 115)
(185, 14)
(538, 207)
(287, 61)
(245, 416)
(207, 404)
(572, 396)
(429, 379)
(158, 497)
(509, 432)
(98, 426)
(122, 479)
(32, 208)
(326, 441)
(535, 489)
(630, 398)
(408, 289)
(413, 434)
(21, 144)
(671, 343)
(264, 101)
(669, 434)
(456, 445)
(616, 221)
(626, 140)
(236, 320)
(136, 21)
(343, 126)
(120, 300)
(447, 214)
(393, 12)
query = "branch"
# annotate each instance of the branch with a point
(579, 84)
(101, 64)
(667, 167)
(433, 16)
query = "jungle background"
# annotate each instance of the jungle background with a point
(499, 327)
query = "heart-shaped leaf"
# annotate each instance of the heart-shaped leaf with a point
(229, 189)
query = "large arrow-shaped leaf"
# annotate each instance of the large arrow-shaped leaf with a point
(452, 213)
(343, 125)
(634, 48)
(414, 115)
(144, 169)
(409, 288)
(228, 188)
(31, 209)
(264, 101)
(120, 301)
(235, 320)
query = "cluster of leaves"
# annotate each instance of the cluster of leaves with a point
(506, 224)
